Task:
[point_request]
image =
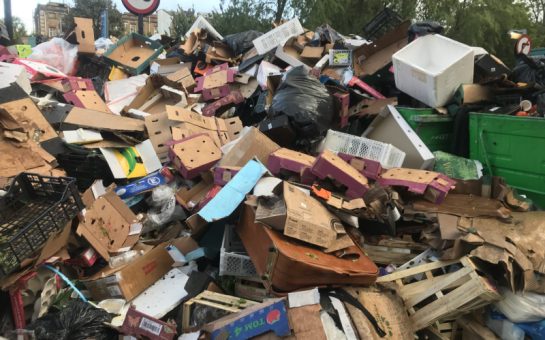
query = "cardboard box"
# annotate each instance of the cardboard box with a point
(233, 98)
(110, 226)
(155, 95)
(329, 165)
(229, 197)
(166, 66)
(431, 68)
(190, 198)
(132, 162)
(133, 53)
(286, 159)
(23, 114)
(103, 121)
(132, 279)
(269, 316)
(368, 59)
(85, 35)
(184, 78)
(87, 99)
(142, 325)
(252, 144)
(308, 220)
(194, 155)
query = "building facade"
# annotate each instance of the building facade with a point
(48, 19)
(130, 24)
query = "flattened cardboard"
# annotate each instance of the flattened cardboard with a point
(253, 144)
(103, 121)
(308, 220)
(129, 281)
(12, 73)
(306, 323)
(24, 114)
(85, 35)
(311, 52)
(388, 310)
(86, 99)
(278, 36)
(475, 93)
(110, 225)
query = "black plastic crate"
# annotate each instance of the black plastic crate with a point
(34, 207)
(385, 21)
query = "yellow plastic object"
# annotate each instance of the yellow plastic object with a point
(24, 50)
(117, 74)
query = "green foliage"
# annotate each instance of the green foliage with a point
(92, 9)
(19, 30)
(182, 21)
(240, 15)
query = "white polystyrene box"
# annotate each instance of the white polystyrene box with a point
(432, 67)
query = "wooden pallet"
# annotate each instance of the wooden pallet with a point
(227, 303)
(442, 295)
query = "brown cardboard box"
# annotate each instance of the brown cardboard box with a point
(109, 225)
(184, 78)
(368, 59)
(314, 53)
(132, 279)
(253, 144)
(195, 155)
(85, 35)
(190, 198)
(150, 98)
(88, 99)
(308, 220)
(158, 127)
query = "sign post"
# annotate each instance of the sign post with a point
(141, 8)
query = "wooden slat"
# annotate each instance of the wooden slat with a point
(415, 270)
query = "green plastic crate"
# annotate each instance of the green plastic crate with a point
(513, 148)
(134, 53)
(434, 130)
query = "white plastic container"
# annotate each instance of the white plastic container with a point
(388, 155)
(431, 68)
(234, 260)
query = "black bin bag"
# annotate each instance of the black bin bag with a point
(307, 103)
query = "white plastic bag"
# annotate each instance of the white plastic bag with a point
(103, 43)
(58, 53)
(521, 307)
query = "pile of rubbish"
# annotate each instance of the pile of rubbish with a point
(289, 184)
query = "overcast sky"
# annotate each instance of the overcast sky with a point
(24, 9)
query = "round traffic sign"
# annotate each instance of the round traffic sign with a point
(523, 45)
(141, 7)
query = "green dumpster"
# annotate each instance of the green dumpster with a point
(513, 148)
(435, 130)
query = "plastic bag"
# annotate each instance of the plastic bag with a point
(306, 101)
(163, 208)
(528, 70)
(420, 29)
(527, 307)
(58, 53)
(77, 320)
(103, 43)
(241, 42)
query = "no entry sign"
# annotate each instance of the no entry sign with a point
(141, 7)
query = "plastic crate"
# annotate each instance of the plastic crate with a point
(385, 21)
(511, 147)
(34, 208)
(234, 260)
(435, 130)
(388, 155)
